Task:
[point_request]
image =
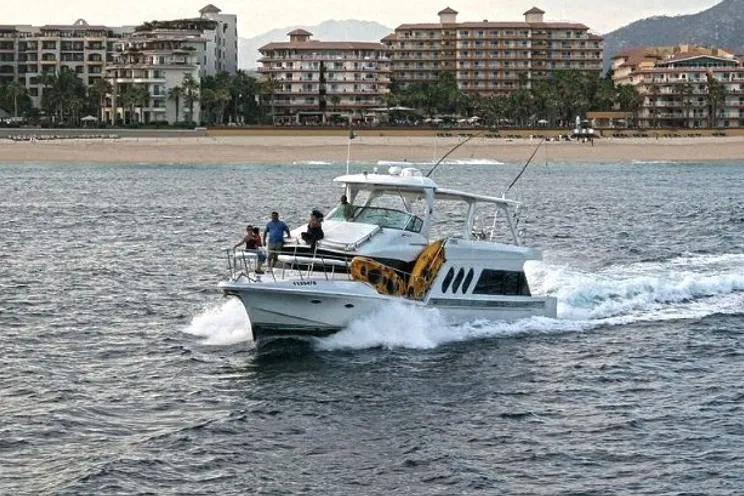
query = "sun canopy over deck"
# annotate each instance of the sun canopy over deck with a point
(397, 182)
(454, 195)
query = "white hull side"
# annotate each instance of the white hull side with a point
(320, 308)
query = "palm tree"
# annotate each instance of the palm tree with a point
(269, 87)
(142, 99)
(686, 91)
(191, 91)
(716, 93)
(207, 100)
(222, 98)
(98, 92)
(629, 100)
(335, 101)
(175, 93)
(129, 99)
(653, 92)
(14, 91)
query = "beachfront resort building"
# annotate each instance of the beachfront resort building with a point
(146, 67)
(684, 86)
(27, 52)
(221, 51)
(322, 81)
(490, 57)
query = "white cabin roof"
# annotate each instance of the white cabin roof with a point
(454, 195)
(388, 181)
(398, 182)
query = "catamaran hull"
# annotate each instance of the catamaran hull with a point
(317, 309)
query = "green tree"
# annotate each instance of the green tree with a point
(686, 92)
(335, 101)
(716, 96)
(129, 98)
(269, 87)
(14, 91)
(176, 93)
(142, 100)
(629, 100)
(653, 96)
(97, 93)
(191, 94)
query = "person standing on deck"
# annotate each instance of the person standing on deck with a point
(275, 230)
(252, 242)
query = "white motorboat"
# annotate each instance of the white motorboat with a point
(381, 251)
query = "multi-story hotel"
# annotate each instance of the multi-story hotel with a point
(155, 60)
(491, 57)
(673, 82)
(317, 80)
(26, 52)
(221, 52)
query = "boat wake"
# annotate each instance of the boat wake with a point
(688, 287)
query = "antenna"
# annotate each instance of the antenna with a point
(452, 151)
(524, 168)
(352, 135)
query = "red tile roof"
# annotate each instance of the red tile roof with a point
(323, 45)
(534, 10)
(499, 25)
(448, 10)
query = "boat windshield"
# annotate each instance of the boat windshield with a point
(379, 216)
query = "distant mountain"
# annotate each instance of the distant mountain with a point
(720, 26)
(348, 30)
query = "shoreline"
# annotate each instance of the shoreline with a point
(364, 149)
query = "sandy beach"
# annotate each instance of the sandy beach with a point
(364, 149)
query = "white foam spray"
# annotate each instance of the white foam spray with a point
(222, 325)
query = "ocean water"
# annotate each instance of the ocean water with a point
(124, 371)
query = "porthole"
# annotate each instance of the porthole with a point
(315, 302)
(458, 280)
(467, 281)
(349, 305)
(448, 279)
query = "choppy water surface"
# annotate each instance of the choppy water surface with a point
(125, 372)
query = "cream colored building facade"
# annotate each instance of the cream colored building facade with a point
(492, 57)
(27, 52)
(322, 80)
(673, 82)
(156, 60)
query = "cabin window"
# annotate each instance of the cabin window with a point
(500, 282)
(467, 281)
(448, 279)
(458, 280)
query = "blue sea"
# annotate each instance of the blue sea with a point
(125, 372)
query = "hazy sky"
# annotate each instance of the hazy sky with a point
(256, 17)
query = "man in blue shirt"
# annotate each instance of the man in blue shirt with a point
(275, 230)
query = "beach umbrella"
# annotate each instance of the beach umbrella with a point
(542, 121)
(89, 118)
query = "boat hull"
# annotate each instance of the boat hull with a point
(319, 308)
